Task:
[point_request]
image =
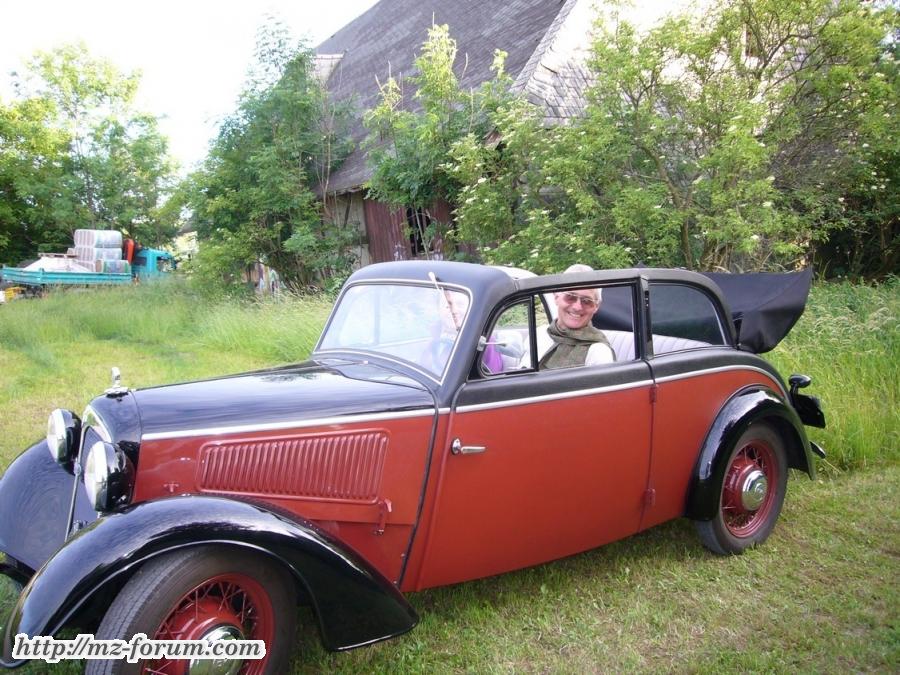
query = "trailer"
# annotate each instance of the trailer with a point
(99, 257)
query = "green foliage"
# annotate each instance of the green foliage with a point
(410, 140)
(74, 153)
(743, 138)
(253, 199)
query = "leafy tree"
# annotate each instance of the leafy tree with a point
(738, 139)
(253, 199)
(76, 154)
(410, 139)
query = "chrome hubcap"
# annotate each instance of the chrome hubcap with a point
(222, 666)
(754, 489)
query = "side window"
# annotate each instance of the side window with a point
(683, 317)
(572, 327)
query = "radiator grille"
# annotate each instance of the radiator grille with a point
(344, 467)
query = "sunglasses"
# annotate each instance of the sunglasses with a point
(586, 302)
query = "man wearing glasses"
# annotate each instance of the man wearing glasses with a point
(571, 340)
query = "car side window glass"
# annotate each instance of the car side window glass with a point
(508, 342)
(615, 317)
(683, 317)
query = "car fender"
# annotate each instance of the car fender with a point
(354, 603)
(36, 491)
(739, 412)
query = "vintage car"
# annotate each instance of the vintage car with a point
(422, 444)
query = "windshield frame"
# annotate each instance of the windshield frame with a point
(438, 378)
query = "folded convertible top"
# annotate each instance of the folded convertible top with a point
(764, 306)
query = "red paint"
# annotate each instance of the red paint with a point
(683, 413)
(341, 495)
(756, 456)
(557, 477)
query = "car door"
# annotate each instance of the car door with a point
(696, 371)
(539, 464)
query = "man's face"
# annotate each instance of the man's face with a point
(575, 308)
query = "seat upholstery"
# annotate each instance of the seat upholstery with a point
(622, 343)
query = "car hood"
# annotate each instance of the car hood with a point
(300, 393)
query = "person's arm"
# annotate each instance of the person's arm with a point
(599, 354)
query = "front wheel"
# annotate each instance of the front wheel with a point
(205, 593)
(751, 494)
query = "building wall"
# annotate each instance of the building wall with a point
(347, 210)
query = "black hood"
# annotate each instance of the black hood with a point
(300, 393)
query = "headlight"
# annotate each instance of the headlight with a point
(63, 436)
(108, 476)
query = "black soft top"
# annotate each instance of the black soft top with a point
(764, 306)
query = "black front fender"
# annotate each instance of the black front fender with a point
(738, 413)
(355, 604)
(35, 496)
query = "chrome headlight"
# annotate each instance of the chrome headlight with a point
(108, 476)
(63, 436)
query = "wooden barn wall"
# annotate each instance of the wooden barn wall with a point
(386, 232)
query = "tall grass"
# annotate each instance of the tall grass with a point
(57, 351)
(848, 340)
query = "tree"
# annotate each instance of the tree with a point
(410, 140)
(75, 154)
(737, 140)
(253, 199)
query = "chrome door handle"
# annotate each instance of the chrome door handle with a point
(457, 448)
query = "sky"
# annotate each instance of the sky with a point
(193, 54)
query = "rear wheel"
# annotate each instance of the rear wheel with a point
(207, 593)
(751, 494)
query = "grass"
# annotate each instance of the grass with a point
(820, 596)
(849, 342)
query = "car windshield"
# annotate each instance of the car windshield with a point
(416, 323)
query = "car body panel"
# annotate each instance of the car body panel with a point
(354, 603)
(575, 447)
(686, 406)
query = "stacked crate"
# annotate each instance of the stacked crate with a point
(101, 250)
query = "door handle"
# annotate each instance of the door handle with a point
(457, 448)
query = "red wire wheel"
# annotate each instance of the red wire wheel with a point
(204, 593)
(752, 493)
(746, 498)
(232, 606)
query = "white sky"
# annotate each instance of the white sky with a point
(193, 54)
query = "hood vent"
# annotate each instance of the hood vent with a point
(345, 467)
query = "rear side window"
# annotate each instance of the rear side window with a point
(683, 317)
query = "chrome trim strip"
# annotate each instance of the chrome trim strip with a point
(604, 390)
(296, 424)
(552, 397)
(721, 369)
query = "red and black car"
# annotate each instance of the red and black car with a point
(422, 444)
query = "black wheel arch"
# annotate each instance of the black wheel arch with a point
(749, 406)
(354, 603)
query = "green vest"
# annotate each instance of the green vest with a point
(570, 345)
